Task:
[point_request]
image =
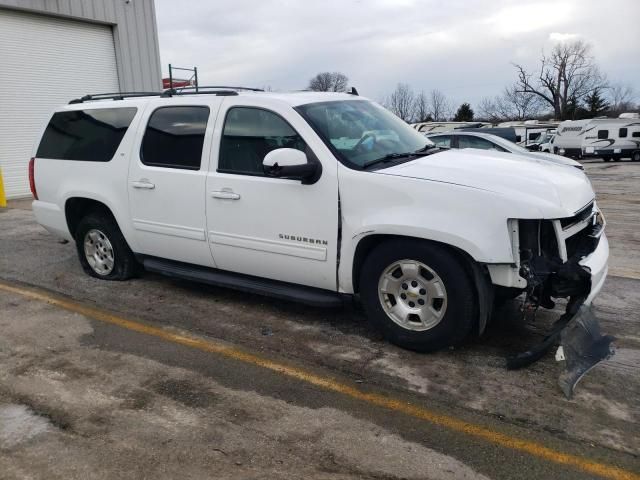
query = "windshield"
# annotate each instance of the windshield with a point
(361, 132)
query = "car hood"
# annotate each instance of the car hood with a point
(551, 157)
(562, 190)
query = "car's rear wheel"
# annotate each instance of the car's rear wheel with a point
(102, 250)
(418, 294)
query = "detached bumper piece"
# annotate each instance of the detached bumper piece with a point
(582, 345)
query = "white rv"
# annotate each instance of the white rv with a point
(529, 132)
(612, 139)
(568, 139)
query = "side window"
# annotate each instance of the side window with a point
(518, 138)
(249, 134)
(174, 137)
(442, 140)
(91, 135)
(467, 141)
(622, 133)
(603, 134)
(635, 134)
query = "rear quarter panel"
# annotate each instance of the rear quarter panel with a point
(59, 180)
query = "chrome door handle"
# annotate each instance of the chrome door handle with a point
(225, 194)
(143, 184)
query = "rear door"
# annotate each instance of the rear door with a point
(270, 227)
(167, 178)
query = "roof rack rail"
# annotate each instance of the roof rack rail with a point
(171, 92)
(207, 90)
(113, 96)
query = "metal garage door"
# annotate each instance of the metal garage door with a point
(45, 62)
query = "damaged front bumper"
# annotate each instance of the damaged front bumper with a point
(598, 266)
(570, 264)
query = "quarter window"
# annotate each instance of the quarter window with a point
(91, 135)
(249, 134)
(174, 137)
(603, 134)
(441, 140)
(467, 141)
(622, 133)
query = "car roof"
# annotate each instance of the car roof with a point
(488, 136)
(293, 99)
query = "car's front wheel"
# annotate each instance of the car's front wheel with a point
(418, 294)
(102, 249)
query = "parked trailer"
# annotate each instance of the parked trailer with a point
(612, 139)
(530, 131)
(568, 139)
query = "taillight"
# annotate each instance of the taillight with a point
(32, 178)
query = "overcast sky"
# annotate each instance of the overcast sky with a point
(462, 47)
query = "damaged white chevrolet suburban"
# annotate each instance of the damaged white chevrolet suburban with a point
(313, 197)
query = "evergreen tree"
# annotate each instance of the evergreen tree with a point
(595, 104)
(464, 113)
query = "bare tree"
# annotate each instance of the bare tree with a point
(439, 106)
(567, 74)
(329, 82)
(491, 110)
(421, 108)
(621, 98)
(513, 104)
(402, 102)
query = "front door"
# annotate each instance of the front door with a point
(167, 179)
(270, 227)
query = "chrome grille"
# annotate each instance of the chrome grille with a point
(579, 235)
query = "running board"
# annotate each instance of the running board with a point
(261, 286)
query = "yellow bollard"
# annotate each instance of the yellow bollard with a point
(3, 199)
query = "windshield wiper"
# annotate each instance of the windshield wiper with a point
(387, 158)
(426, 150)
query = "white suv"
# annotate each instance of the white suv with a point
(314, 197)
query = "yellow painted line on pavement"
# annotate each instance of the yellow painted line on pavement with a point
(327, 383)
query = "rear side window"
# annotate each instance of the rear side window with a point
(467, 141)
(635, 134)
(249, 134)
(622, 133)
(603, 134)
(174, 137)
(90, 135)
(441, 140)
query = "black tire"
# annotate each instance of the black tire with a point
(606, 159)
(124, 262)
(635, 157)
(460, 315)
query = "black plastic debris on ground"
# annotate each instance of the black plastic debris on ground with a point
(583, 347)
